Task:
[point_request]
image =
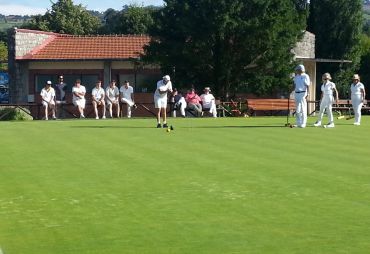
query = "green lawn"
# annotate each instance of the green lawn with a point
(227, 185)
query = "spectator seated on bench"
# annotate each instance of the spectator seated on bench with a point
(193, 103)
(208, 102)
(178, 103)
(79, 101)
(127, 98)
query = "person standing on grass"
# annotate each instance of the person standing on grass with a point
(78, 99)
(48, 100)
(112, 95)
(357, 97)
(301, 92)
(327, 99)
(98, 96)
(127, 92)
(160, 99)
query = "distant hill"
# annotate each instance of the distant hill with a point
(10, 21)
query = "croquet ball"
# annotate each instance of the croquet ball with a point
(168, 130)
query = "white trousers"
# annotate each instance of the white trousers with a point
(357, 105)
(212, 108)
(326, 103)
(129, 103)
(301, 109)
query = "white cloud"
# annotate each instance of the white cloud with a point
(14, 9)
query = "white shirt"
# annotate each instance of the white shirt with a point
(112, 93)
(98, 93)
(163, 87)
(126, 92)
(207, 100)
(47, 95)
(80, 89)
(356, 88)
(327, 88)
(302, 82)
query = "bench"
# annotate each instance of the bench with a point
(345, 105)
(270, 106)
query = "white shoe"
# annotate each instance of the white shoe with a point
(317, 124)
(82, 116)
(330, 125)
(103, 117)
(97, 118)
(356, 123)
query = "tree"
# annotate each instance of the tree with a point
(232, 45)
(365, 61)
(337, 26)
(65, 17)
(133, 19)
(3, 55)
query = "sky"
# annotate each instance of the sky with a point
(33, 7)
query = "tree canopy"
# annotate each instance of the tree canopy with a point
(3, 55)
(65, 17)
(132, 19)
(231, 45)
(338, 27)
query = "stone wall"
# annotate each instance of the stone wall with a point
(305, 48)
(25, 41)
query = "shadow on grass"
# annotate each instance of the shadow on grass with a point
(182, 127)
(112, 127)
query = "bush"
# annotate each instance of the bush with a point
(11, 114)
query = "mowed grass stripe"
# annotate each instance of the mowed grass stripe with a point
(211, 186)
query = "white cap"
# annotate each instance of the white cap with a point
(300, 68)
(48, 82)
(167, 78)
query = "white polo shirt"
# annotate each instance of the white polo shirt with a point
(327, 88)
(207, 100)
(112, 93)
(302, 82)
(356, 88)
(126, 92)
(48, 95)
(76, 89)
(163, 87)
(98, 93)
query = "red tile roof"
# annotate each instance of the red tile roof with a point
(67, 47)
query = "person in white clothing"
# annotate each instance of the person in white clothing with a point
(112, 95)
(301, 92)
(78, 99)
(357, 97)
(98, 96)
(327, 99)
(48, 99)
(178, 103)
(160, 99)
(127, 92)
(208, 102)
